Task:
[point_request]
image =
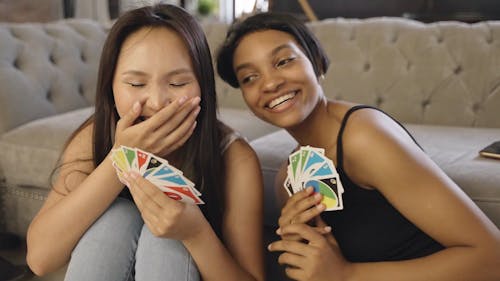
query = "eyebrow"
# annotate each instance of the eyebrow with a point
(273, 53)
(171, 73)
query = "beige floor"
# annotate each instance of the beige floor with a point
(19, 257)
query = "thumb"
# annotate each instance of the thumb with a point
(128, 119)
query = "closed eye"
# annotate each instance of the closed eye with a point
(136, 85)
(178, 85)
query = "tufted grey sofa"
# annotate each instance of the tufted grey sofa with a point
(442, 80)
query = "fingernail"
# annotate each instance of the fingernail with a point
(133, 174)
(320, 207)
(136, 107)
(328, 228)
(195, 101)
(197, 110)
(317, 196)
(278, 231)
(269, 247)
(309, 189)
(182, 99)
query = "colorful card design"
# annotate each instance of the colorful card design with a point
(158, 171)
(310, 167)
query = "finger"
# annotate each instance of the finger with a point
(296, 197)
(313, 207)
(182, 114)
(323, 230)
(181, 134)
(146, 194)
(183, 139)
(299, 208)
(295, 247)
(291, 237)
(291, 259)
(305, 231)
(173, 114)
(294, 273)
(129, 118)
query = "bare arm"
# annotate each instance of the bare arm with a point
(241, 255)
(61, 222)
(472, 241)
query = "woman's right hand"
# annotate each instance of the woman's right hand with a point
(162, 133)
(301, 208)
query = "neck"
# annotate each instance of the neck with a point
(312, 131)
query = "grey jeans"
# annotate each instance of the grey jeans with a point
(119, 247)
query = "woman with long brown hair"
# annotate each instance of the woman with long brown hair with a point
(155, 92)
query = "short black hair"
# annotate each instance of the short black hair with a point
(265, 21)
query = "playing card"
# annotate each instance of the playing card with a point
(294, 159)
(153, 163)
(120, 160)
(142, 160)
(131, 157)
(158, 171)
(329, 189)
(308, 166)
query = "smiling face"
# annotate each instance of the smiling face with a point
(154, 68)
(276, 77)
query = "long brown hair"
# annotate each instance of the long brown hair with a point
(202, 160)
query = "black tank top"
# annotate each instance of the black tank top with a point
(369, 228)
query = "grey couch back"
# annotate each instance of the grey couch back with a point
(443, 73)
(47, 69)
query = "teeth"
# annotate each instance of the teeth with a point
(279, 100)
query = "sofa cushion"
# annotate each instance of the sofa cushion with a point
(46, 69)
(454, 149)
(245, 122)
(30, 152)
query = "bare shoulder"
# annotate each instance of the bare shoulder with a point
(76, 161)
(238, 152)
(79, 146)
(373, 139)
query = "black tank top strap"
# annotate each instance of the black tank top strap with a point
(340, 156)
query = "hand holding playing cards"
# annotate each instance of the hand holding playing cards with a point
(301, 208)
(161, 133)
(165, 217)
(315, 257)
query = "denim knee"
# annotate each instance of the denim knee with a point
(163, 259)
(107, 250)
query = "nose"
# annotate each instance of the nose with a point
(272, 81)
(157, 98)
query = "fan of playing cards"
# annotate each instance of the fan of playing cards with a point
(157, 170)
(310, 167)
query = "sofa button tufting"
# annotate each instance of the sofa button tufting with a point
(379, 101)
(457, 70)
(83, 58)
(366, 67)
(476, 107)
(52, 59)
(80, 89)
(15, 63)
(426, 103)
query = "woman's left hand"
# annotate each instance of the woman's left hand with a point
(317, 257)
(165, 217)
